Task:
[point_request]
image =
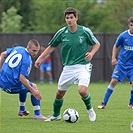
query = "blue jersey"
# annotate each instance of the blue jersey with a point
(18, 62)
(124, 68)
(125, 57)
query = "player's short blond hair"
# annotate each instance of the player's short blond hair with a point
(33, 42)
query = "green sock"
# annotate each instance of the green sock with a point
(87, 101)
(57, 106)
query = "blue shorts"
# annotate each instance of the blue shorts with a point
(45, 66)
(120, 73)
(14, 89)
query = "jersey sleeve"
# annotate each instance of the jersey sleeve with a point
(56, 40)
(119, 40)
(90, 36)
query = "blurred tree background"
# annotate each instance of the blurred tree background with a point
(46, 16)
(11, 21)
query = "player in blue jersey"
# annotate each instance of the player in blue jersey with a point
(124, 64)
(15, 67)
(76, 58)
(46, 67)
(0, 55)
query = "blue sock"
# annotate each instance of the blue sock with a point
(131, 97)
(41, 80)
(37, 112)
(107, 95)
(50, 80)
(22, 99)
(36, 105)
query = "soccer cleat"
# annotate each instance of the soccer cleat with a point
(92, 114)
(39, 117)
(130, 106)
(101, 106)
(53, 118)
(21, 113)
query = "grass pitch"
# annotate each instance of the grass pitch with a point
(116, 118)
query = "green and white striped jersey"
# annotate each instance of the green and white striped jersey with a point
(74, 45)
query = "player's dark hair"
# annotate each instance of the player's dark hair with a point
(71, 10)
(130, 20)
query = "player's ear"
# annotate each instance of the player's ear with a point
(76, 17)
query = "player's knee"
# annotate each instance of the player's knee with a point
(83, 91)
(113, 82)
(60, 94)
(132, 83)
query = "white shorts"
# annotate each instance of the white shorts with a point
(75, 74)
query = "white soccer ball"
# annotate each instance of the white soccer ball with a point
(70, 115)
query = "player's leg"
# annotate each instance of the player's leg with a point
(85, 96)
(64, 82)
(41, 76)
(84, 74)
(58, 102)
(34, 101)
(118, 75)
(130, 105)
(49, 73)
(87, 101)
(36, 105)
(108, 93)
(22, 99)
(22, 96)
(50, 79)
(42, 73)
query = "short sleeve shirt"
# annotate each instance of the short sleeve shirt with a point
(74, 45)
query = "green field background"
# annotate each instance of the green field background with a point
(116, 118)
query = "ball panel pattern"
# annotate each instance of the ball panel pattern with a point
(70, 115)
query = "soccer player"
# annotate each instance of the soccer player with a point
(0, 57)
(16, 67)
(46, 67)
(124, 65)
(76, 58)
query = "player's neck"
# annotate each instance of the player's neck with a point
(131, 31)
(73, 28)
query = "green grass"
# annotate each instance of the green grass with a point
(115, 118)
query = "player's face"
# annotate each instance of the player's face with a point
(33, 50)
(131, 27)
(71, 20)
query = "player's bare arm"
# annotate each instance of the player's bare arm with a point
(2, 58)
(34, 92)
(114, 54)
(89, 55)
(47, 51)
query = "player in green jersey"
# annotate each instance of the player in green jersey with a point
(76, 57)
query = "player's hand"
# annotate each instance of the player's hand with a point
(88, 56)
(37, 63)
(114, 61)
(37, 94)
